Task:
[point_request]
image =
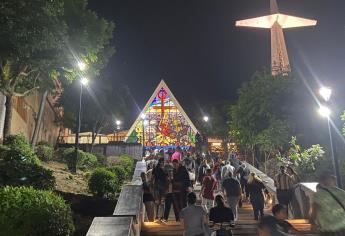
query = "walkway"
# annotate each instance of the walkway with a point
(244, 226)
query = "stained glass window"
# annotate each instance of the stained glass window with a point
(163, 124)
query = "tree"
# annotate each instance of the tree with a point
(31, 31)
(41, 43)
(102, 106)
(262, 120)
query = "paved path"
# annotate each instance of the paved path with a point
(244, 226)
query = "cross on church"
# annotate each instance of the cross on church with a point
(276, 22)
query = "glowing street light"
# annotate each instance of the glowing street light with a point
(81, 65)
(118, 122)
(325, 93)
(205, 118)
(84, 81)
(324, 111)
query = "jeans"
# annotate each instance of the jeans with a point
(170, 199)
(207, 203)
(233, 203)
(258, 203)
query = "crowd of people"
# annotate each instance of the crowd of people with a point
(225, 184)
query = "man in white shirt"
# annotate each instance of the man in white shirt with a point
(228, 168)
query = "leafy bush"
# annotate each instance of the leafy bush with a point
(27, 211)
(85, 160)
(44, 143)
(16, 147)
(120, 173)
(305, 161)
(17, 172)
(103, 183)
(101, 159)
(127, 163)
(44, 152)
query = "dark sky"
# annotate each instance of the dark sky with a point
(195, 47)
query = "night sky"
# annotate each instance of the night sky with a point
(195, 47)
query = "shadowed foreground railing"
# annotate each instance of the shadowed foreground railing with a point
(128, 214)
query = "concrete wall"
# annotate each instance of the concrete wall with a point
(49, 130)
(2, 113)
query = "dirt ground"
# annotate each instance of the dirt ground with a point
(65, 180)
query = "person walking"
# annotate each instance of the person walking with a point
(284, 184)
(177, 155)
(328, 206)
(202, 170)
(182, 182)
(232, 190)
(256, 190)
(148, 199)
(170, 199)
(226, 169)
(209, 185)
(220, 214)
(159, 184)
(193, 218)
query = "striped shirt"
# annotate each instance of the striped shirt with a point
(283, 181)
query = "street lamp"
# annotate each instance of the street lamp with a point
(83, 82)
(325, 93)
(205, 118)
(118, 123)
(325, 112)
(81, 65)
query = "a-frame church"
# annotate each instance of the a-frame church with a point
(162, 122)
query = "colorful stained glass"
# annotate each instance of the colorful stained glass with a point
(163, 121)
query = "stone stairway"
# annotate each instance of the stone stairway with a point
(246, 225)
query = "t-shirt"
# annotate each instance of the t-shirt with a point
(193, 217)
(330, 214)
(226, 170)
(176, 156)
(210, 184)
(232, 187)
(159, 175)
(284, 225)
(221, 214)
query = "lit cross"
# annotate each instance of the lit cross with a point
(277, 22)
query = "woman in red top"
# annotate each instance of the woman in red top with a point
(209, 184)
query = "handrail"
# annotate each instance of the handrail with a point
(128, 215)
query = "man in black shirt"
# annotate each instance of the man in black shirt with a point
(160, 185)
(182, 181)
(279, 212)
(232, 190)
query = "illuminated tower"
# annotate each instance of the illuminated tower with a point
(276, 22)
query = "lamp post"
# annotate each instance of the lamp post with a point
(325, 112)
(143, 116)
(118, 123)
(83, 82)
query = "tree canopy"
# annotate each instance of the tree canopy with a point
(262, 119)
(42, 41)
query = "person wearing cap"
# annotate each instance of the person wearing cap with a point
(328, 206)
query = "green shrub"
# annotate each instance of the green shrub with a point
(16, 147)
(103, 183)
(85, 160)
(44, 153)
(27, 211)
(127, 163)
(44, 143)
(101, 159)
(120, 173)
(17, 172)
